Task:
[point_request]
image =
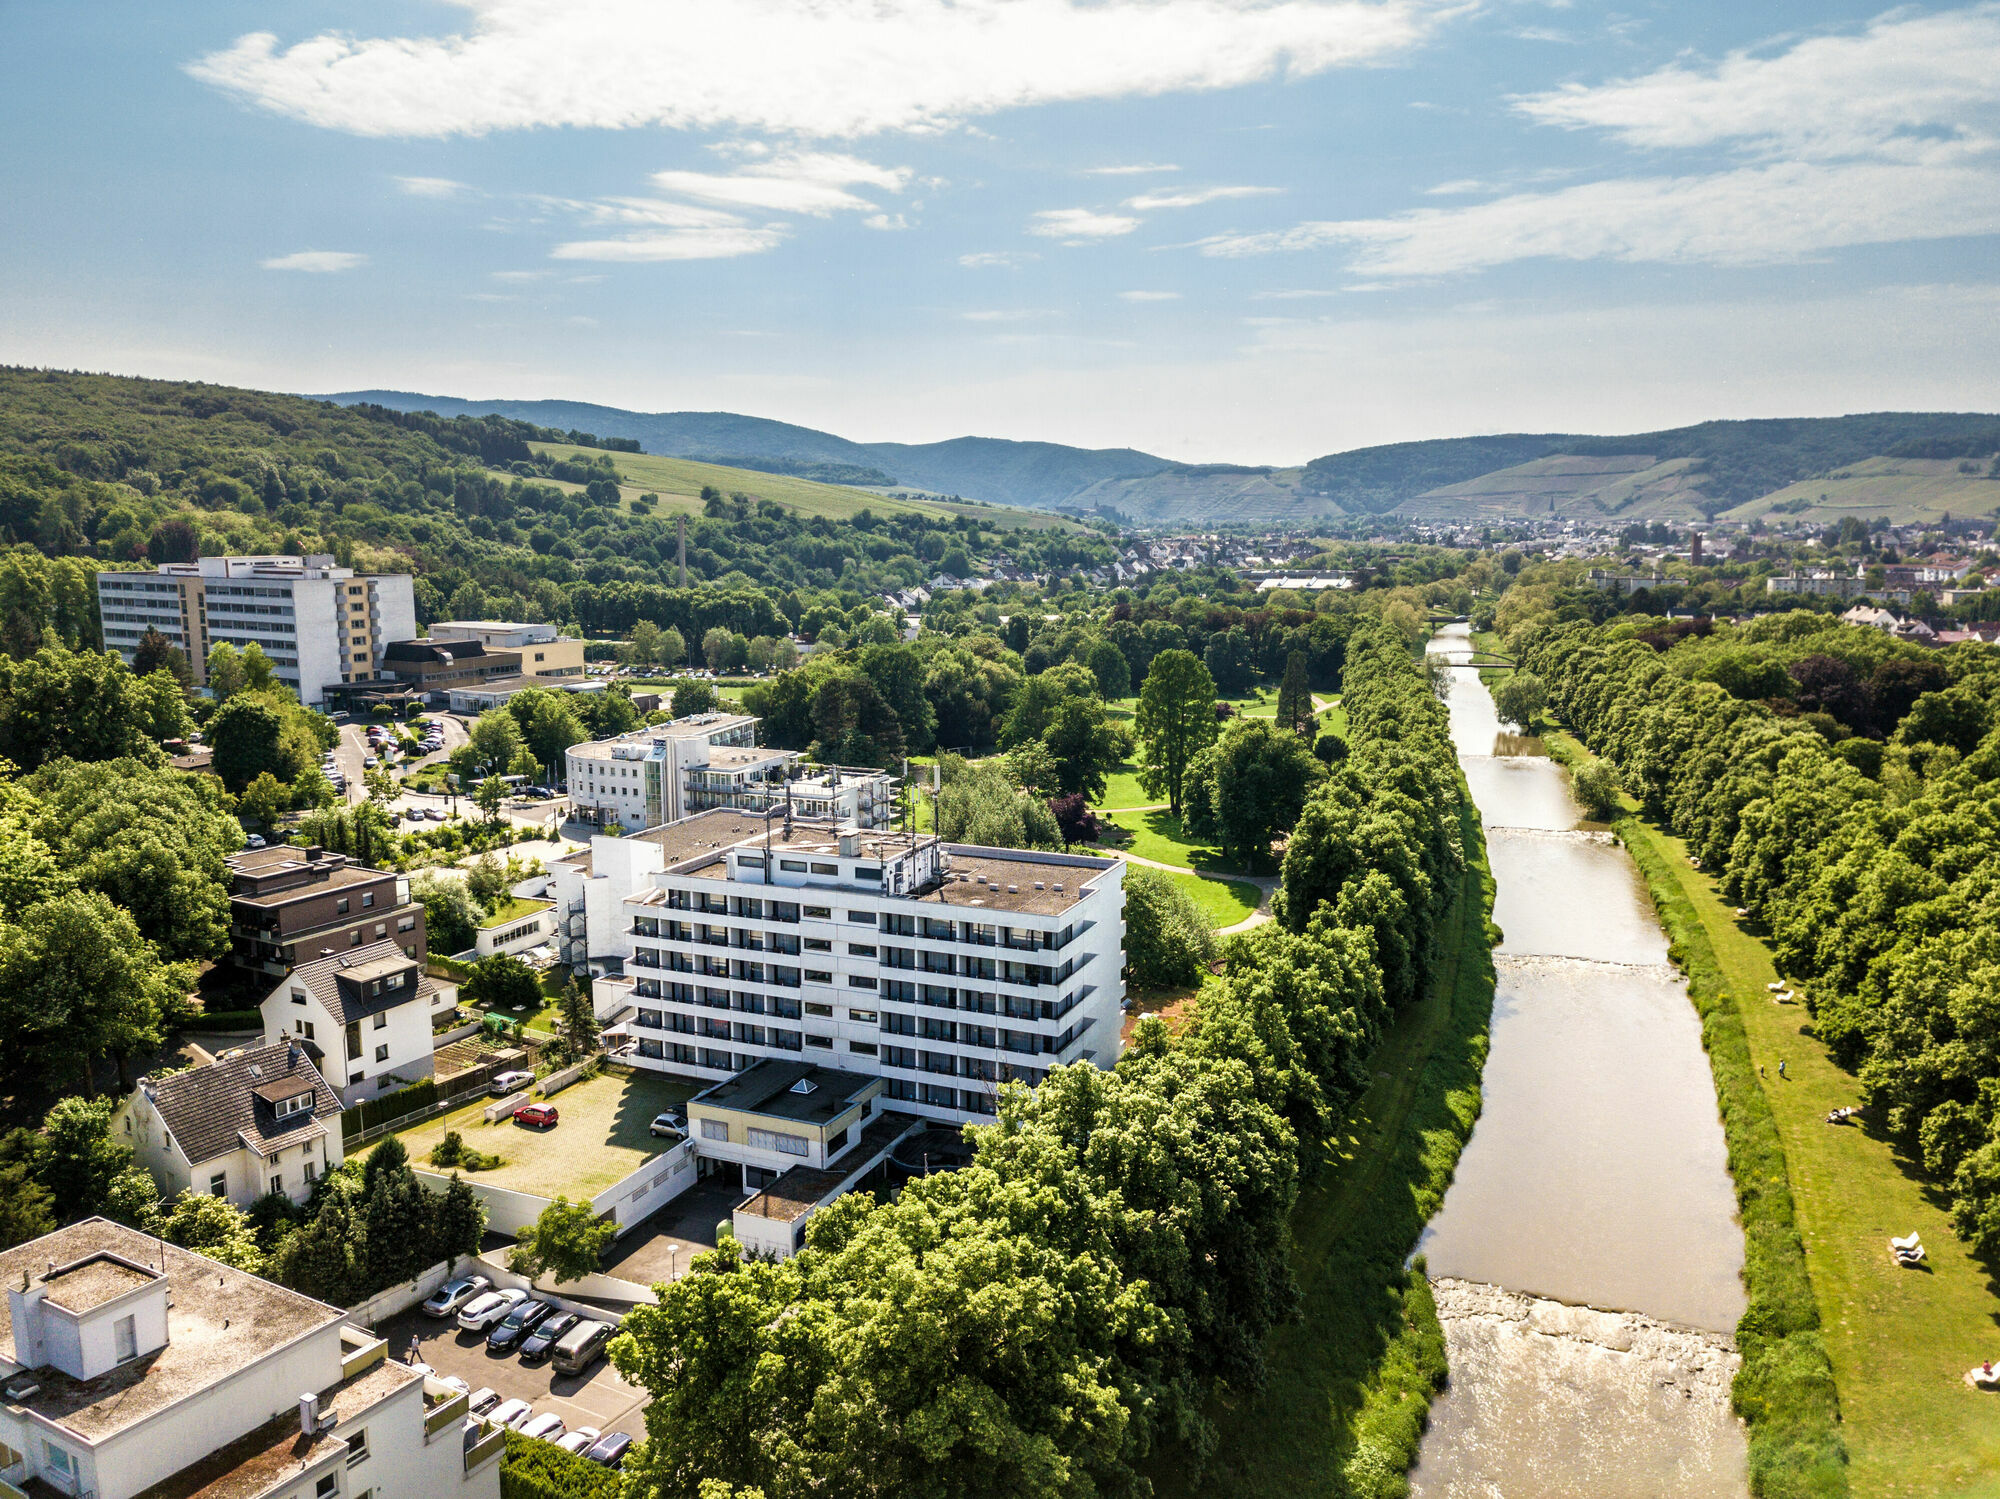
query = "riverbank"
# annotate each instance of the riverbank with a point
(1786, 1391)
(1351, 1381)
(1898, 1341)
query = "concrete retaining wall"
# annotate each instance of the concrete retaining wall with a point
(653, 1185)
(596, 1287)
(401, 1297)
(507, 1211)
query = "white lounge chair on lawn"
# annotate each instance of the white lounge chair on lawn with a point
(1985, 1375)
(1909, 1243)
(1910, 1257)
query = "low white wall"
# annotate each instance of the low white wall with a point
(597, 1287)
(507, 1211)
(402, 1296)
(555, 1082)
(504, 1107)
(653, 1185)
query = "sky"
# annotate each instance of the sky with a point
(1248, 231)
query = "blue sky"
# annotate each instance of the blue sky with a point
(1246, 230)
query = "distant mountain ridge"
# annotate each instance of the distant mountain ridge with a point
(1038, 474)
(1688, 473)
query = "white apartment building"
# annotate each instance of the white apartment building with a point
(133, 1369)
(320, 624)
(363, 1016)
(944, 969)
(665, 772)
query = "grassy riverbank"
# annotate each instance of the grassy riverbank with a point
(1350, 1383)
(1787, 1389)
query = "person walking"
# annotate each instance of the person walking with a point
(1781, 1071)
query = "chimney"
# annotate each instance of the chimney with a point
(308, 1413)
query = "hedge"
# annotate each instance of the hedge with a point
(228, 1020)
(534, 1469)
(365, 1116)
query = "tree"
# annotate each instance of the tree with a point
(451, 920)
(1521, 698)
(495, 739)
(576, 1022)
(503, 982)
(396, 1214)
(567, 1242)
(1038, 697)
(79, 1159)
(642, 644)
(1075, 819)
(1255, 782)
(490, 795)
(212, 1226)
(1176, 720)
(898, 674)
(1114, 674)
(1295, 702)
(157, 653)
(692, 697)
(673, 647)
(81, 704)
(326, 1258)
(715, 644)
(486, 881)
(26, 1209)
(1085, 745)
(267, 798)
(259, 675)
(244, 735)
(226, 676)
(1031, 767)
(1595, 785)
(1168, 941)
(458, 1223)
(77, 979)
(854, 725)
(980, 806)
(549, 724)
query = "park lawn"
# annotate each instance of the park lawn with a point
(1123, 792)
(1333, 720)
(1223, 902)
(603, 1137)
(1900, 1341)
(1157, 836)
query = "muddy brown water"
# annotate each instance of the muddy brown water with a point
(1596, 1177)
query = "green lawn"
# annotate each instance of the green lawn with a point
(1122, 789)
(1223, 902)
(602, 1137)
(1900, 1340)
(512, 909)
(1157, 835)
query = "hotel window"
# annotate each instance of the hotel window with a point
(714, 1129)
(329, 1483)
(357, 1447)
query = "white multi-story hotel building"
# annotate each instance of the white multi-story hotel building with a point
(945, 969)
(132, 1369)
(320, 624)
(665, 772)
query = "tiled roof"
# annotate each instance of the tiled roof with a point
(206, 1109)
(321, 979)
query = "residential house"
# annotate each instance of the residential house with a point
(363, 1016)
(290, 905)
(262, 1121)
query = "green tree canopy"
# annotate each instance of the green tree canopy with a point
(1176, 721)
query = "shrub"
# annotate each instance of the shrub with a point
(450, 1151)
(535, 1469)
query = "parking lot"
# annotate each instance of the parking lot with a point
(600, 1398)
(662, 1246)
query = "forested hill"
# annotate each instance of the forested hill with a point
(999, 471)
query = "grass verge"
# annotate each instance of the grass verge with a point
(1223, 902)
(1350, 1383)
(1785, 1390)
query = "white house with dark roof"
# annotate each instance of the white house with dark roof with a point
(133, 1369)
(363, 1016)
(263, 1121)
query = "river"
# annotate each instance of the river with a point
(1587, 1257)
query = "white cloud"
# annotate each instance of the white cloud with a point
(1194, 197)
(519, 275)
(321, 261)
(432, 187)
(1081, 225)
(815, 183)
(885, 221)
(1884, 136)
(1137, 169)
(1009, 260)
(718, 242)
(1149, 296)
(1750, 216)
(797, 67)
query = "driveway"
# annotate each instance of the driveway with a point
(660, 1247)
(350, 752)
(601, 1398)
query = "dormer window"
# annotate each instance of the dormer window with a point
(300, 1104)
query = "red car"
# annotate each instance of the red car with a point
(540, 1115)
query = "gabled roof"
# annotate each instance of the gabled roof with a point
(341, 982)
(210, 1110)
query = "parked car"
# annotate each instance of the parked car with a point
(514, 1413)
(516, 1325)
(537, 1115)
(253, 841)
(581, 1347)
(484, 1310)
(548, 1427)
(538, 1344)
(509, 1082)
(610, 1449)
(454, 1294)
(578, 1440)
(453, 1383)
(369, 762)
(483, 1400)
(672, 1122)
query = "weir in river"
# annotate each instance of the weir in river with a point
(1587, 1258)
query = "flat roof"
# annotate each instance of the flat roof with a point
(718, 828)
(94, 1281)
(747, 754)
(1000, 872)
(338, 879)
(679, 728)
(220, 1320)
(766, 1088)
(804, 1188)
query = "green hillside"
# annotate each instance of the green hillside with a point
(1903, 489)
